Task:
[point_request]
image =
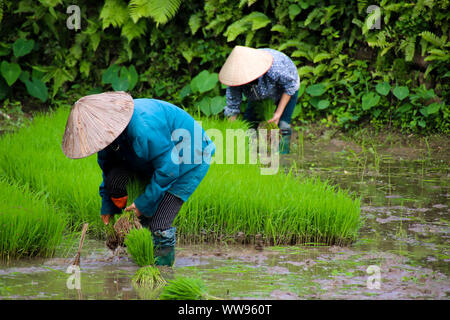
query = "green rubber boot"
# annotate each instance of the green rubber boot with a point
(165, 256)
(285, 141)
(164, 244)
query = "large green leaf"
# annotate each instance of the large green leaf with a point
(121, 83)
(383, 88)
(433, 108)
(401, 92)
(110, 74)
(294, 10)
(185, 92)
(133, 77)
(22, 47)
(10, 71)
(316, 90)
(205, 106)
(370, 100)
(323, 104)
(217, 104)
(204, 81)
(37, 88)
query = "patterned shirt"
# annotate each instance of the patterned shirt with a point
(282, 77)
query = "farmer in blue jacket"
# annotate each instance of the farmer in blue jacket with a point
(152, 139)
(261, 74)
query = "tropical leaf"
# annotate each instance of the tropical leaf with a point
(321, 56)
(370, 100)
(10, 71)
(121, 83)
(316, 90)
(195, 22)
(133, 77)
(205, 106)
(159, 10)
(432, 38)
(132, 30)
(37, 89)
(401, 92)
(204, 81)
(294, 10)
(217, 104)
(323, 104)
(383, 88)
(22, 47)
(279, 28)
(114, 13)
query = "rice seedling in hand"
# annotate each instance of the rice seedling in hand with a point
(149, 277)
(185, 289)
(265, 109)
(122, 226)
(139, 245)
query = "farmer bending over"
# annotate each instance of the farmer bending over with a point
(140, 136)
(261, 74)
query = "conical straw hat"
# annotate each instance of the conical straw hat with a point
(244, 65)
(95, 121)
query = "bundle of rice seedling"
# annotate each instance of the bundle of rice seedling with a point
(149, 277)
(139, 245)
(265, 109)
(122, 227)
(185, 289)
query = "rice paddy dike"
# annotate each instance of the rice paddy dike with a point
(403, 204)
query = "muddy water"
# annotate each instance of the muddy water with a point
(404, 244)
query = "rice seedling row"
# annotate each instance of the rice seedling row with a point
(232, 198)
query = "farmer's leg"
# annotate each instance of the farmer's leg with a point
(251, 116)
(285, 124)
(160, 224)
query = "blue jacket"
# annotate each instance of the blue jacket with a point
(163, 144)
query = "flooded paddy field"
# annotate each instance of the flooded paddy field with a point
(402, 251)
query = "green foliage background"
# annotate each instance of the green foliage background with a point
(396, 75)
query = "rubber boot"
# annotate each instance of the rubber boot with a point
(164, 246)
(285, 141)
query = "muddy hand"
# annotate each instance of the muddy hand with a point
(132, 207)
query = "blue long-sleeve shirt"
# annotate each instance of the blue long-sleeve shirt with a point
(163, 144)
(282, 77)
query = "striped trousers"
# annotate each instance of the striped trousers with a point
(163, 218)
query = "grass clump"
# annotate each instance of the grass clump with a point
(29, 226)
(35, 157)
(139, 245)
(185, 289)
(149, 277)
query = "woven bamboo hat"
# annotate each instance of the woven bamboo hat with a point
(244, 65)
(95, 121)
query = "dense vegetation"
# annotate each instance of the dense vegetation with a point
(353, 69)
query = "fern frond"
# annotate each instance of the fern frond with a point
(132, 30)
(195, 22)
(159, 10)
(114, 12)
(432, 38)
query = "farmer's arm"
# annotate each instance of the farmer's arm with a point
(288, 80)
(158, 146)
(234, 98)
(280, 109)
(108, 208)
